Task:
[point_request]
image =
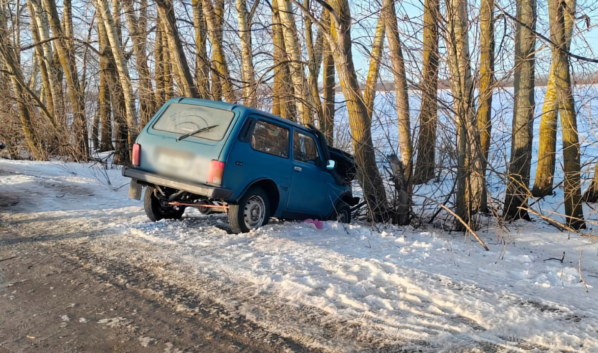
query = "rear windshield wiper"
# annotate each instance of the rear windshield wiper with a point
(203, 129)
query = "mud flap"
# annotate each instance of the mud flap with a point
(134, 190)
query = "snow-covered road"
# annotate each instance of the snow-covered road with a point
(344, 288)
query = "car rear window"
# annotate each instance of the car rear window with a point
(186, 118)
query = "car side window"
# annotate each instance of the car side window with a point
(271, 139)
(305, 149)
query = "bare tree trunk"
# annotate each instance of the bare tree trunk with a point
(313, 69)
(548, 125)
(177, 54)
(558, 11)
(401, 95)
(54, 90)
(428, 118)
(95, 129)
(168, 73)
(123, 71)
(470, 178)
(523, 112)
(69, 67)
(159, 66)
(221, 73)
(8, 53)
(247, 72)
(283, 84)
(136, 33)
(218, 10)
(375, 56)
(359, 120)
(202, 67)
(39, 54)
(486, 83)
(277, 80)
(104, 91)
(67, 24)
(328, 95)
(293, 47)
(117, 100)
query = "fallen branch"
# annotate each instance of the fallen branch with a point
(554, 258)
(9, 258)
(559, 224)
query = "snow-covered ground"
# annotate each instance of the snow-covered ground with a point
(344, 288)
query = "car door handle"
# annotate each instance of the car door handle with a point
(297, 169)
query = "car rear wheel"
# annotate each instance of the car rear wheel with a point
(252, 211)
(155, 211)
(342, 213)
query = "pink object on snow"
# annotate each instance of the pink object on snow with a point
(315, 222)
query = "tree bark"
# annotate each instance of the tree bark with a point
(369, 95)
(566, 105)
(177, 54)
(123, 71)
(293, 47)
(470, 178)
(282, 75)
(548, 125)
(146, 90)
(168, 69)
(221, 75)
(54, 90)
(313, 69)
(8, 53)
(159, 65)
(104, 91)
(202, 66)
(359, 120)
(117, 100)
(247, 72)
(428, 119)
(523, 112)
(328, 95)
(69, 67)
(401, 94)
(486, 84)
(39, 54)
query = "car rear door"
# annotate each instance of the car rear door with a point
(311, 184)
(166, 151)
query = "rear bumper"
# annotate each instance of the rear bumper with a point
(198, 189)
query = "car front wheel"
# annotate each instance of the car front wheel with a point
(252, 211)
(342, 213)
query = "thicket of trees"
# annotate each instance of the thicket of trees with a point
(85, 76)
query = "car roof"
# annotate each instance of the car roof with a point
(241, 108)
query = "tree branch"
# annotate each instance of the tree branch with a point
(314, 20)
(578, 57)
(38, 43)
(252, 12)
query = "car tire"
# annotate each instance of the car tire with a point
(155, 211)
(252, 211)
(204, 210)
(341, 213)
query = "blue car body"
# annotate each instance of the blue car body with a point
(297, 182)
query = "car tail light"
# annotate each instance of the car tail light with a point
(215, 172)
(136, 154)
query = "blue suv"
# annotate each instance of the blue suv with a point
(248, 163)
